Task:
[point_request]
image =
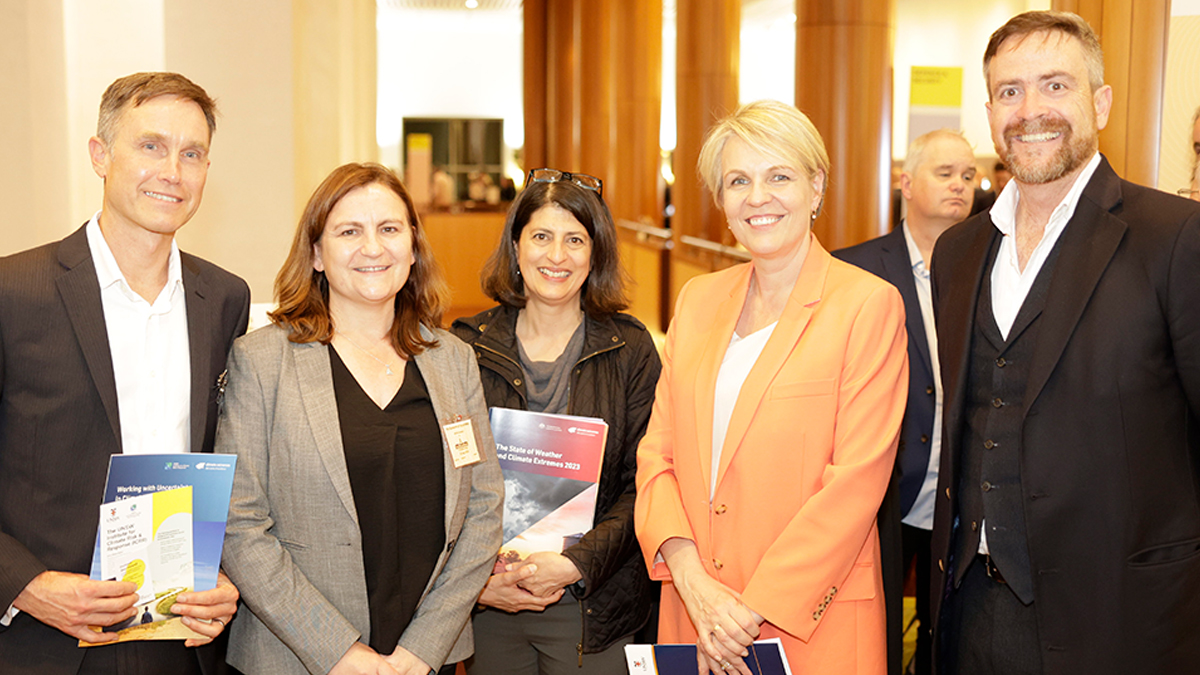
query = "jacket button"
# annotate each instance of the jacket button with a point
(720, 509)
(947, 493)
(816, 616)
(517, 381)
(482, 327)
(589, 610)
(986, 486)
(1000, 362)
(997, 402)
(941, 565)
(989, 444)
(614, 338)
(974, 526)
(718, 564)
(929, 389)
(924, 438)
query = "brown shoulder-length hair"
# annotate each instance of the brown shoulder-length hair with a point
(603, 292)
(302, 293)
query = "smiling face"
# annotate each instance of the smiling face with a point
(366, 248)
(767, 202)
(554, 254)
(942, 187)
(1044, 116)
(155, 168)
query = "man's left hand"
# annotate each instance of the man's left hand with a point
(208, 612)
(554, 571)
(407, 663)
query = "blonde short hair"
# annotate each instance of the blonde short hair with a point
(771, 128)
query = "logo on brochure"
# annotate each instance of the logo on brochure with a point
(170, 466)
(200, 465)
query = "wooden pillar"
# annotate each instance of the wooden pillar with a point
(706, 90)
(534, 75)
(632, 186)
(1134, 38)
(844, 84)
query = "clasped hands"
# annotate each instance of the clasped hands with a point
(532, 584)
(362, 660)
(73, 603)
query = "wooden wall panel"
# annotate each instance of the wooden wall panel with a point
(1134, 38)
(844, 84)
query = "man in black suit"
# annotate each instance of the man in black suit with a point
(111, 341)
(937, 183)
(1067, 525)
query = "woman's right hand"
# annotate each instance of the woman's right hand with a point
(725, 626)
(362, 660)
(503, 593)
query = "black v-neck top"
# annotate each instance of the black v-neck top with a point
(394, 457)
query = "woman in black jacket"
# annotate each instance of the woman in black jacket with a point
(557, 343)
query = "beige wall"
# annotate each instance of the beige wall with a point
(60, 55)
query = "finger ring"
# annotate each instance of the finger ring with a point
(725, 665)
(217, 618)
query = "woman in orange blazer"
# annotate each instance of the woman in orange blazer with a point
(798, 362)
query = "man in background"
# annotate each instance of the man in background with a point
(938, 185)
(111, 341)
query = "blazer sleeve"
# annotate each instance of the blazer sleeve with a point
(281, 596)
(446, 609)
(658, 513)
(606, 547)
(817, 551)
(1183, 309)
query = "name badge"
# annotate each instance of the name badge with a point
(461, 438)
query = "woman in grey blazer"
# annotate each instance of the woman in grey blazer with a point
(366, 511)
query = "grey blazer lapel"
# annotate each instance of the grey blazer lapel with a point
(320, 406)
(80, 292)
(202, 321)
(437, 370)
(1089, 242)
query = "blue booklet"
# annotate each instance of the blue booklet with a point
(210, 478)
(766, 658)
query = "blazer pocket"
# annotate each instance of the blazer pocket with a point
(860, 585)
(1166, 553)
(292, 545)
(803, 388)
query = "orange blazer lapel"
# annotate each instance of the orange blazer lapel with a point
(791, 325)
(720, 332)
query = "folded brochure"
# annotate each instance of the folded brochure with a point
(766, 658)
(162, 525)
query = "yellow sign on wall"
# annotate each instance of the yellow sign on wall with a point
(936, 86)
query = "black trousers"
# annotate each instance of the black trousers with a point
(916, 544)
(985, 630)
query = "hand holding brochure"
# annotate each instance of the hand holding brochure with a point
(766, 658)
(162, 526)
(551, 466)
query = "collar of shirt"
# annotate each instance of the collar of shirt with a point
(914, 253)
(108, 272)
(1004, 211)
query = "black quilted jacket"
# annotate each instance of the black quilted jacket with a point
(614, 380)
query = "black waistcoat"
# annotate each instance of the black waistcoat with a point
(990, 480)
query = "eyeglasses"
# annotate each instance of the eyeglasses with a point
(1187, 192)
(583, 180)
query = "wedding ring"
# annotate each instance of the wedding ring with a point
(725, 665)
(221, 620)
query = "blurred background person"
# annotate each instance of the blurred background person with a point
(775, 423)
(362, 540)
(558, 343)
(939, 172)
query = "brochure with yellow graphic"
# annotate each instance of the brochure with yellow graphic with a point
(162, 526)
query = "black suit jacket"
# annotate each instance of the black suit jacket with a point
(59, 421)
(887, 258)
(1110, 454)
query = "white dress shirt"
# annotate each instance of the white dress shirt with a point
(1010, 283)
(150, 357)
(921, 513)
